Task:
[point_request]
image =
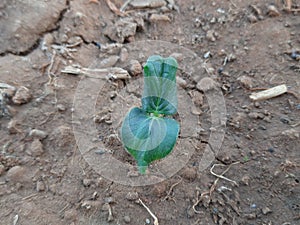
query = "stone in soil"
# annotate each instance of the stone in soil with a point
(158, 17)
(35, 133)
(61, 107)
(252, 18)
(18, 174)
(122, 29)
(197, 97)
(273, 11)
(62, 136)
(210, 35)
(132, 196)
(40, 186)
(11, 126)
(189, 173)
(206, 84)
(245, 180)
(135, 68)
(127, 219)
(124, 55)
(159, 190)
(246, 81)
(181, 82)
(2, 169)
(266, 210)
(139, 4)
(70, 214)
(36, 148)
(22, 96)
(109, 61)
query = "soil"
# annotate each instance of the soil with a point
(49, 170)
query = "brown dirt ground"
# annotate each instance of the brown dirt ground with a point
(45, 180)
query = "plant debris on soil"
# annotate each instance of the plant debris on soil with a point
(247, 48)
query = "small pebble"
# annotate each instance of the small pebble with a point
(70, 214)
(189, 173)
(206, 84)
(266, 210)
(210, 35)
(295, 55)
(181, 82)
(285, 120)
(135, 68)
(11, 126)
(132, 196)
(61, 107)
(109, 62)
(195, 111)
(191, 212)
(159, 17)
(22, 96)
(36, 148)
(18, 174)
(206, 55)
(108, 200)
(257, 104)
(273, 11)
(127, 219)
(256, 115)
(38, 134)
(160, 189)
(252, 18)
(138, 4)
(9, 92)
(292, 133)
(271, 150)
(256, 10)
(40, 186)
(220, 70)
(123, 54)
(246, 179)
(2, 169)
(246, 81)
(86, 182)
(250, 216)
(148, 221)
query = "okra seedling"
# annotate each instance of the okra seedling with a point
(149, 133)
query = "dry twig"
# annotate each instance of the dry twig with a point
(269, 93)
(30, 196)
(149, 211)
(221, 175)
(212, 188)
(50, 75)
(114, 8)
(16, 218)
(122, 9)
(168, 196)
(113, 73)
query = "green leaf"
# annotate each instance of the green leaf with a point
(160, 91)
(148, 138)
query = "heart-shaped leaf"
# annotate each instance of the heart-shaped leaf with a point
(148, 138)
(160, 92)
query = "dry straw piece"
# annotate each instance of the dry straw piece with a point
(269, 93)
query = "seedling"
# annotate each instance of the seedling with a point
(149, 133)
